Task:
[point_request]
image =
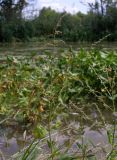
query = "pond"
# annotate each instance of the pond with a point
(27, 48)
(78, 128)
(11, 140)
(74, 128)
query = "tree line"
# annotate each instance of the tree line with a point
(100, 21)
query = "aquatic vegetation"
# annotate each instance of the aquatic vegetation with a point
(38, 89)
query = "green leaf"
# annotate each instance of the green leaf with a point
(40, 131)
(110, 137)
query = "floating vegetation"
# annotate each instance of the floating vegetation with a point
(44, 90)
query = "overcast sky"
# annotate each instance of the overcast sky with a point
(71, 6)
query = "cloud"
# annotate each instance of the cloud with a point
(71, 6)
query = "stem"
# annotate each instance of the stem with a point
(113, 140)
(50, 137)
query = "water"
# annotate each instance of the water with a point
(73, 129)
(12, 140)
(40, 47)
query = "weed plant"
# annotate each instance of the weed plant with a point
(37, 90)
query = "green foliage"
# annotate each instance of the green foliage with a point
(39, 89)
(100, 21)
(34, 86)
(40, 132)
(46, 22)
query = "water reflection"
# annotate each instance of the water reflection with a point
(75, 128)
(11, 140)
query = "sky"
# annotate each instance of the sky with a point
(71, 6)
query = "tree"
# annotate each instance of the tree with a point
(11, 9)
(102, 6)
(46, 21)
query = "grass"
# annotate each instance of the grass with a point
(37, 89)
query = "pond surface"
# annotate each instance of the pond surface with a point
(49, 46)
(22, 50)
(72, 131)
(12, 140)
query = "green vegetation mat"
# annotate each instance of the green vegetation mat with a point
(37, 89)
(29, 83)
